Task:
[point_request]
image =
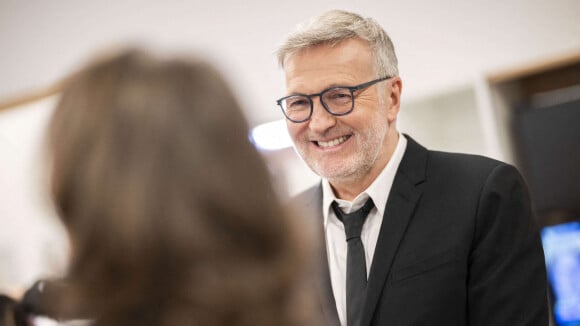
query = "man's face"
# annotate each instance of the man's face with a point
(347, 149)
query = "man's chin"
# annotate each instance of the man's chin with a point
(332, 173)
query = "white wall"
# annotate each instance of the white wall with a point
(32, 243)
(441, 44)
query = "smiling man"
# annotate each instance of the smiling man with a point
(413, 237)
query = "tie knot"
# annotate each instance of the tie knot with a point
(354, 221)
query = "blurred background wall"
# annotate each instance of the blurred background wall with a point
(464, 65)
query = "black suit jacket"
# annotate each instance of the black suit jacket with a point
(457, 246)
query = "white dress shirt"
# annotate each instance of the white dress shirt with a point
(336, 246)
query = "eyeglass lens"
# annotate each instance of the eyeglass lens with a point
(337, 100)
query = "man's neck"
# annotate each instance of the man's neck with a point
(349, 190)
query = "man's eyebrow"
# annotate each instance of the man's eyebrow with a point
(333, 85)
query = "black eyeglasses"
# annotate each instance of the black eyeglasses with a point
(336, 100)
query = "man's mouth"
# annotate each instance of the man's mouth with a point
(333, 142)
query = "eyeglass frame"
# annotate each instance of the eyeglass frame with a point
(352, 89)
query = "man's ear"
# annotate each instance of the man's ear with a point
(393, 91)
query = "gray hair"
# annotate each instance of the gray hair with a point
(335, 26)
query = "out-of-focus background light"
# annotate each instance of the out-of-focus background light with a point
(271, 136)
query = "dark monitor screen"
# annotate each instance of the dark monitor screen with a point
(562, 250)
(549, 147)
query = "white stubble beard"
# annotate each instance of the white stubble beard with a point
(368, 146)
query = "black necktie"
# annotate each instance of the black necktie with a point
(356, 269)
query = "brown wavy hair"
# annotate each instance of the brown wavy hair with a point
(171, 212)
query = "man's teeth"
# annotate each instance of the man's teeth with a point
(333, 142)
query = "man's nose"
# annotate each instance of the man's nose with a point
(321, 120)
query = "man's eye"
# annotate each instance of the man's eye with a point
(297, 103)
(338, 95)
(341, 95)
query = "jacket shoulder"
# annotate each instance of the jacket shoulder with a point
(463, 164)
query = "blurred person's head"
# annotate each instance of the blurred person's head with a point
(7, 311)
(342, 98)
(11, 313)
(172, 216)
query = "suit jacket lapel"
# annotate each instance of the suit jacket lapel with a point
(311, 201)
(399, 209)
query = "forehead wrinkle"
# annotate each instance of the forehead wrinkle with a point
(309, 71)
(311, 81)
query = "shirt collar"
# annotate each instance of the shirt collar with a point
(378, 190)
